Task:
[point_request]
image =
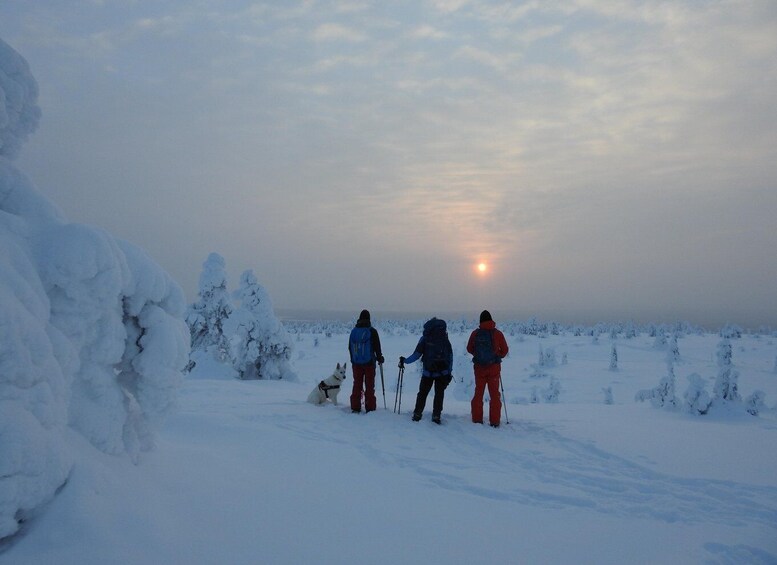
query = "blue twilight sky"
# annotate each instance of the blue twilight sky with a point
(605, 158)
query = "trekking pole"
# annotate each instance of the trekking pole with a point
(504, 400)
(382, 386)
(401, 382)
(396, 393)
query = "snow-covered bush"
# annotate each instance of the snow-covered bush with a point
(696, 400)
(260, 346)
(608, 398)
(731, 331)
(91, 330)
(206, 317)
(553, 391)
(663, 395)
(755, 402)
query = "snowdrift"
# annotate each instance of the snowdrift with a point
(92, 337)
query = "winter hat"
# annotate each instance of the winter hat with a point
(365, 315)
(485, 316)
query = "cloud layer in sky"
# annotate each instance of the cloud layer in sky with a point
(612, 157)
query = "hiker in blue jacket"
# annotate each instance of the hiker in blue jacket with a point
(435, 351)
(364, 349)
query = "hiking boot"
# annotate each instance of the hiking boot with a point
(416, 417)
(436, 420)
(355, 411)
(494, 425)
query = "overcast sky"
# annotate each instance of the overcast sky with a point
(605, 158)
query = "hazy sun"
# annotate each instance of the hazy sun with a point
(482, 268)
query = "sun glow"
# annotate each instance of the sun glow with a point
(482, 268)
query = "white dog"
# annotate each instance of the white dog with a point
(329, 388)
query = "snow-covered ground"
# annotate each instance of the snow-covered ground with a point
(248, 472)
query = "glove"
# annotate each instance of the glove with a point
(380, 360)
(401, 362)
(448, 380)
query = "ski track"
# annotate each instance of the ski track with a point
(529, 464)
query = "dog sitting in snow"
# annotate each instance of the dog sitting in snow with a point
(329, 388)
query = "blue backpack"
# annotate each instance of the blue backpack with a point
(360, 345)
(437, 349)
(484, 348)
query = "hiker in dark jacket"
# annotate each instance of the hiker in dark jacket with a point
(488, 347)
(436, 352)
(364, 349)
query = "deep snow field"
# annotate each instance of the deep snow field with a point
(249, 472)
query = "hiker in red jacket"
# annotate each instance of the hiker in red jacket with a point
(488, 347)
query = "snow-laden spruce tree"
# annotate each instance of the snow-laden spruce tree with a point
(613, 358)
(260, 347)
(206, 317)
(92, 337)
(674, 350)
(726, 387)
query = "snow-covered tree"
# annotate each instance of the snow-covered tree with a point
(92, 337)
(726, 385)
(696, 400)
(552, 393)
(775, 366)
(260, 346)
(663, 395)
(755, 402)
(660, 341)
(206, 317)
(613, 358)
(607, 391)
(674, 351)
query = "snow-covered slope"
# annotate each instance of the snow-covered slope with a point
(248, 472)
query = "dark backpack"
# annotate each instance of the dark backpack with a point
(437, 348)
(484, 348)
(360, 345)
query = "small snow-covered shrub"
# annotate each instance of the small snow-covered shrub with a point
(696, 400)
(660, 341)
(608, 398)
(551, 394)
(663, 395)
(755, 402)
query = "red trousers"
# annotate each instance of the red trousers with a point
(363, 379)
(487, 376)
